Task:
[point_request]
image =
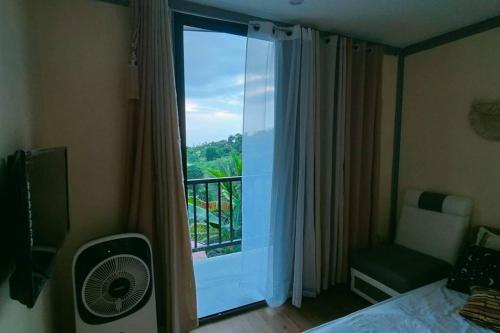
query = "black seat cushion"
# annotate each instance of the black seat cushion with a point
(398, 267)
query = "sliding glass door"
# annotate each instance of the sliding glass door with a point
(210, 74)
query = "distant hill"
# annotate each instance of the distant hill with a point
(219, 155)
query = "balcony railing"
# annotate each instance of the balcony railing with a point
(214, 207)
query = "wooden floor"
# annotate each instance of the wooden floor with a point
(335, 303)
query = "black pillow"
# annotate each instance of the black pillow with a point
(478, 266)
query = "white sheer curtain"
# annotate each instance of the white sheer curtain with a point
(258, 151)
(309, 155)
(278, 162)
(292, 203)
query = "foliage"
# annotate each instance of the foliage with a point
(194, 172)
(212, 155)
(215, 160)
(230, 169)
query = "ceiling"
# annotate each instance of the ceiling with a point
(394, 22)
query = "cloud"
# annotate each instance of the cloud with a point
(231, 104)
(214, 85)
(259, 91)
(241, 79)
(216, 117)
(212, 126)
(191, 106)
(226, 115)
(234, 101)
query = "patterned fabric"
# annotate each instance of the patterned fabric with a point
(478, 266)
(483, 308)
(486, 238)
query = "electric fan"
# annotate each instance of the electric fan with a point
(114, 287)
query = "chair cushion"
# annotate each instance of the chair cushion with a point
(434, 224)
(398, 267)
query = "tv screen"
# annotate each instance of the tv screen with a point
(40, 214)
(47, 187)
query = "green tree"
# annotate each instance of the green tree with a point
(208, 160)
(231, 169)
(194, 172)
(211, 154)
(235, 141)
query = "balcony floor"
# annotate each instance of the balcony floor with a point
(218, 284)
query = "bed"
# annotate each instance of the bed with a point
(431, 308)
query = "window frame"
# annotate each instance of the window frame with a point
(180, 20)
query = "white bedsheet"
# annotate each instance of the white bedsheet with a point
(432, 308)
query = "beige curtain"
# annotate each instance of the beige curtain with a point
(157, 200)
(362, 146)
(329, 174)
(346, 153)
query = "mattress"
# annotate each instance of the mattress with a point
(432, 308)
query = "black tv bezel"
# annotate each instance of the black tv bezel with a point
(22, 285)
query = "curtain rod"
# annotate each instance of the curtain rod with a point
(184, 7)
(287, 29)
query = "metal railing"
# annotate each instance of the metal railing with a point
(214, 207)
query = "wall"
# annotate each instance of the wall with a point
(439, 150)
(81, 49)
(389, 77)
(15, 133)
(68, 89)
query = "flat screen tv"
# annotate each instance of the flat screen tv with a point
(39, 217)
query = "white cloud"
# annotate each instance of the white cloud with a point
(192, 106)
(212, 126)
(226, 115)
(213, 119)
(230, 104)
(240, 79)
(233, 99)
(261, 90)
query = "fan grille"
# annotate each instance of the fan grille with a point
(115, 285)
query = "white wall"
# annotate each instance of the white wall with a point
(81, 49)
(16, 105)
(439, 150)
(63, 83)
(389, 76)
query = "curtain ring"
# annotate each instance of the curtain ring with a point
(288, 33)
(356, 47)
(256, 27)
(327, 40)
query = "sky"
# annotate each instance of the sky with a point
(214, 70)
